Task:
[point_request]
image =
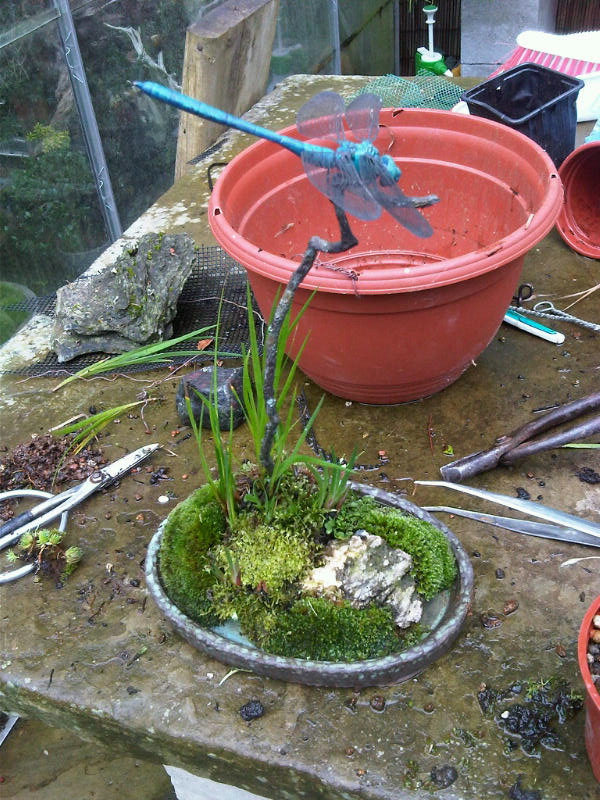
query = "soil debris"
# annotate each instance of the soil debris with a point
(517, 792)
(253, 709)
(43, 463)
(588, 475)
(531, 722)
(444, 776)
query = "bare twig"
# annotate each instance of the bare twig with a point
(315, 245)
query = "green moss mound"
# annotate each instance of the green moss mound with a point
(434, 565)
(269, 556)
(252, 572)
(186, 570)
(317, 629)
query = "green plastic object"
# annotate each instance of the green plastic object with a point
(436, 66)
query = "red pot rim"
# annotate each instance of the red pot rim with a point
(582, 646)
(567, 224)
(427, 275)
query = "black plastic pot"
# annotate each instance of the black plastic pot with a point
(534, 100)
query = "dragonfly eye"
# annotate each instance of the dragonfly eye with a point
(392, 169)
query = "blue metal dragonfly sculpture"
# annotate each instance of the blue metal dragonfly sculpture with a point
(353, 175)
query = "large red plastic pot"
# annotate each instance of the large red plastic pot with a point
(592, 696)
(397, 317)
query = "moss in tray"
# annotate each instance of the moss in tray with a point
(252, 571)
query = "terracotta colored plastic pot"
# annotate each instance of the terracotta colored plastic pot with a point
(397, 317)
(579, 220)
(592, 696)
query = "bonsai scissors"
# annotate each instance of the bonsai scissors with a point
(59, 505)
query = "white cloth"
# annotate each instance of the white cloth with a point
(191, 787)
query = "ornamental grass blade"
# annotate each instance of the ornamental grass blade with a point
(155, 353)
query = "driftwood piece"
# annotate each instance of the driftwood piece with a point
(519, 443)
(226, 64)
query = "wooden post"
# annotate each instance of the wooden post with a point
(226, 64)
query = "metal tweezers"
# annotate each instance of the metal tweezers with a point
(59, 505)
(565, 527)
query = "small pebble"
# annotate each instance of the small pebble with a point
(560, 651)
(500, 573)
(163, 499)
(377, 702)
(444, 776)
(510, 607)
(490, 620)
(252, 710)
(522, 493)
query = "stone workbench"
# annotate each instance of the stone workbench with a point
(97, 658)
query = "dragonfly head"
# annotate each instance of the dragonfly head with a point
(392, 169)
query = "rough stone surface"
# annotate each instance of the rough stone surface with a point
(229, 384)
(127, 305)
(71, 656)
(364, 570)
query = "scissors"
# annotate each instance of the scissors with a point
(58, 505)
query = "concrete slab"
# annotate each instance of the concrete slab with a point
(96, 658)
(489, 30)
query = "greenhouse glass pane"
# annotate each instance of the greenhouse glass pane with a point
(51, 227)
(50, 222)
(367, 34)
(304, 39)
(121, 42)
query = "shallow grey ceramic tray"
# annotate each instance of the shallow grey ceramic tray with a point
(445, 614)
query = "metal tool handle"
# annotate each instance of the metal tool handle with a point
(11, 536)
(525, 506)
(15, 522)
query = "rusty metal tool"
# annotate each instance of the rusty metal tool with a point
(520, 443)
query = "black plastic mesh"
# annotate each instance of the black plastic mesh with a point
(216, 279)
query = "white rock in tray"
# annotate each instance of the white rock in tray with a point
(363, 570)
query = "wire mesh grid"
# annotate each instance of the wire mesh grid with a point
(423, 91)
(216, 281)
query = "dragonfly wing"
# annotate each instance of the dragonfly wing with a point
(396, 203)
(342, 184)
(322, 116)
(362, 116)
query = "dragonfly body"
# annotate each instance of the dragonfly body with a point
(353, 174)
